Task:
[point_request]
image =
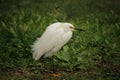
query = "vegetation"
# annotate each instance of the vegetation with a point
(90, 55)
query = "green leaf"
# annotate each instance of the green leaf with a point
(63, 56)
(79, 59)
(65, 48)
(12, 30)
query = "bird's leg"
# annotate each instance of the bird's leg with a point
(54, 71)
(53, 66)
(42, 65)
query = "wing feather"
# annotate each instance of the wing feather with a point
(65, 38)
(49, 40)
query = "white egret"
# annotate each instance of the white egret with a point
(53, 39)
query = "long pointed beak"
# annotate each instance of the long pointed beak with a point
(79, 29)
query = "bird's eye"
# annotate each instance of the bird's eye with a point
(71, 27)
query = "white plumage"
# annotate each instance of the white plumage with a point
(52, 40)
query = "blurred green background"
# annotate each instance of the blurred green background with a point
(91, 55)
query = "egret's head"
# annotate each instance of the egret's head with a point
(70, 27)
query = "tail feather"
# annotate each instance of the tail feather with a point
(36, 48)
(36, 56)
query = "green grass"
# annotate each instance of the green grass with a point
(90, 55)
